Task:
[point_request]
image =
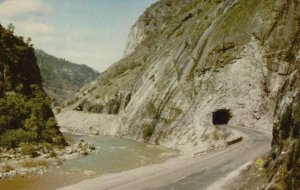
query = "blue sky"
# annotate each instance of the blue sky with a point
(91, 32)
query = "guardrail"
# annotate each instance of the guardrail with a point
(235, 141)
(219, 147)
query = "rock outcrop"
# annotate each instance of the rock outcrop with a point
(283, 165)
(186, 59)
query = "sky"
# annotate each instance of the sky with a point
(91, 32)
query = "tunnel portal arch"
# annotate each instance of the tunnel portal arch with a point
(221, 116)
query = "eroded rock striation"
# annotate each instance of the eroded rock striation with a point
(187, 59)
(283, 165)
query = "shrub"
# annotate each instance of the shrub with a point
(5, 122)
(147, 131)
(13, 138)
(25, 112)
(46, 145)
(58, 140)
(7, 168)
(2, 88)
(52, 154)
(296, 120)
(51, 123)
(152, 111)
(35, 163)
(31, 124)
(297, 115)
(286, 123)
(58, 110)
(29, 149)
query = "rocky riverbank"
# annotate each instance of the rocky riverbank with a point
(104, 124)
(27, 159)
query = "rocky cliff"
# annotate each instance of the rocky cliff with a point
(187, 61)
(283, 165)
(25, 113)
(61, 78)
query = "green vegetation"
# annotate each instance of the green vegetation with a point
(152, 111)
(148, 130)
(296, 132)
(13, 138)
(11, 28)
(29, 120)
(35, 163)
(25, 113)
(61, 78)
(286, 122)
(29, 149)
(7, 168)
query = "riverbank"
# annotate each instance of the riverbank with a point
(112, 155)
(87, 123)
(185, 172)
(79, 122)
(30, 158)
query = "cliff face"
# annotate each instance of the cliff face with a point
(187, 59)
(25, 113)
(283, 165)
(61, 78)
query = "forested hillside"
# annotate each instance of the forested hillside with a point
(25, 113)
(61, 78)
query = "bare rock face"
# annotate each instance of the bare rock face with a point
(283, 166)
(186, 59)
(147, 24)
(135, 38)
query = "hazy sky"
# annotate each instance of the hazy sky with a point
(91, 32)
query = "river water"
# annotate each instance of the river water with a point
(112, 155)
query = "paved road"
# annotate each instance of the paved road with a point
(185, 173)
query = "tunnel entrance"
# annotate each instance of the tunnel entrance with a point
(221, 117)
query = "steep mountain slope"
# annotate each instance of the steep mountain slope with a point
(61, 78)
(185, 60)
(283, 165)
(188, 59)
(25, 113)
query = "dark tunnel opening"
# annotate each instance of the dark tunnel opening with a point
(221, 117)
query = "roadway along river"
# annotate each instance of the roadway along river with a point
(112, 155)
(185, 173)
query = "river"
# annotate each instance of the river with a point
(111, 155)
